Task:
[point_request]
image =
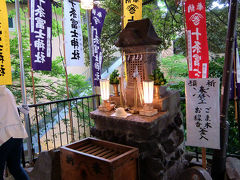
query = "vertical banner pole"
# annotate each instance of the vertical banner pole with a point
(235, 84)
(122, 102)
(66, 74)
(22, 75)
(88, 17)
(34, 94)
(35, 108)
(219, 156)
(204, 159)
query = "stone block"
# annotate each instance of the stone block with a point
(168, 146)
(47, 166)
(196, 172)
(140, 126)
(233, 168)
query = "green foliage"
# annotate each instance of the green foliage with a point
(216, 71)
(158, 77)
(233, 140)
(167, 20)
(110, 31)
(114, 77)
(176, 67)
(175, 71)
(216, 67)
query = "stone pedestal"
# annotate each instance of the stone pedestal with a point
(159, 138)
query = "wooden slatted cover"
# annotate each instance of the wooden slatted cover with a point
(99, 150)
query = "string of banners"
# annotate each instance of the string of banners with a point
(97, 20)
(73, 34)
(41, 34)
(198, 58)
(5, 62)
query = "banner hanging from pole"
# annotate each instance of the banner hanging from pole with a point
(132, 11)
(198, 57)
(235, 76)
(97, 20)
(5, 61)
(73, 34)
(41, 34)
(237, 61)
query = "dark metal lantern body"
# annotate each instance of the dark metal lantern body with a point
(139, 42)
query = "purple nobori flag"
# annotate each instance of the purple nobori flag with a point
(41, 34)
(97, 20)
(237, 76)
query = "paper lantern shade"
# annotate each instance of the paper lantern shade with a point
(148, 91)
(105, 89)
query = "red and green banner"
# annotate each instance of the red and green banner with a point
(198, 57)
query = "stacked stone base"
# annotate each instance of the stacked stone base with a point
(159, 139)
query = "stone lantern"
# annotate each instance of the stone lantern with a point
(139, 42)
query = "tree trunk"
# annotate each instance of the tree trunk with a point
(219, 157)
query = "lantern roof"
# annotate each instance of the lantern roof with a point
(138, 33)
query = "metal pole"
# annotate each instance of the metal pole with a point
(219, 156)
(88, 17)
(24, 98)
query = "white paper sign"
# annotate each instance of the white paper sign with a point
(203, 113)
(73, 34)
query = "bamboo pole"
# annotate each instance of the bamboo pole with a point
(34, 92)
(204, 159)
(123, 64)
(22, 75)
(66, 75)
(235, 85)
(88, 17)
(219, 156)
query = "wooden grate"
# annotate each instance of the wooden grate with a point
(134, 61)
(99, 150)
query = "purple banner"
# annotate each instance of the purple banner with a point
(236, 70)
(41, 34)
(97, 20)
